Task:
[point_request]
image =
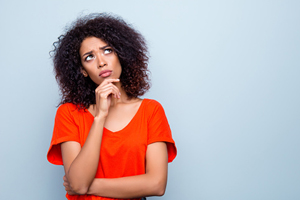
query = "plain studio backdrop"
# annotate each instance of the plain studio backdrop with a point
(226, 72)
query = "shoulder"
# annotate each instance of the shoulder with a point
(66, 106)
(153, 108)
(67, 109)
(152, 104)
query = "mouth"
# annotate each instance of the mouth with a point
(105, 73)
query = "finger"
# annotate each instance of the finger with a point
(109, 85)
(113, 89)
(107, 94)
(99, 91)
(106, 81)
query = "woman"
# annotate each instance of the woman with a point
(111, 143)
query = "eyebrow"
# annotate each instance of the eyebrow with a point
(101, 48)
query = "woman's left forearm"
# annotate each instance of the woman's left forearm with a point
(152, 183)
(129, 187)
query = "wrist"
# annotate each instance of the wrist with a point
(94, 188)
(100, 117)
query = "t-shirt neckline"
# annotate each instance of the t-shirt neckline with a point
(125, 127)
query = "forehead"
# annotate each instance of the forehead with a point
(90, 44)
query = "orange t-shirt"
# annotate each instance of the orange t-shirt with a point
(123, 152)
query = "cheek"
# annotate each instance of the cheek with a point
(87, 66)
(119, 65)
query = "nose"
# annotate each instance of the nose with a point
(101, 61)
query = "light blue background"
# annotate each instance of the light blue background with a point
(226, 72)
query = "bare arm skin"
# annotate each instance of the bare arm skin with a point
(81, 164)
(152, 183)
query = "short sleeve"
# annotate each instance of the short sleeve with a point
(159, 129)
(65, 129)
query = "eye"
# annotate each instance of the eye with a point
(107, 51)
(89, 57)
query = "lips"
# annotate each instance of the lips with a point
(105, 73)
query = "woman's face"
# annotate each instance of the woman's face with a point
(99, 61)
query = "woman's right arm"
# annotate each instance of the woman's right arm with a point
(81, 164)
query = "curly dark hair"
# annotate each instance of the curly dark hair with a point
(129, 45)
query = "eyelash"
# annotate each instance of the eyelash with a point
(108, 49)
(92, 56)
(89, 56)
